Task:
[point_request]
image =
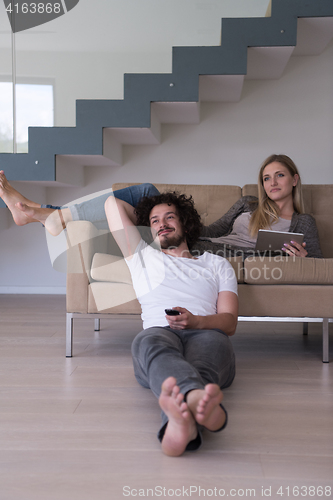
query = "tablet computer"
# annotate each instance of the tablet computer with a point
(274, 240)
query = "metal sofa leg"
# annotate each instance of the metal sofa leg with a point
(325, 341)
(305, 328)
(97, 325)
(69, 335)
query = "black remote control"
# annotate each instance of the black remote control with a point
(171, 312)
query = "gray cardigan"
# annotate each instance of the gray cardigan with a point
(300, 223)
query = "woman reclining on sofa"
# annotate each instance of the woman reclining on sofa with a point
(279, 206)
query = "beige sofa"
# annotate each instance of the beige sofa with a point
(281, 289)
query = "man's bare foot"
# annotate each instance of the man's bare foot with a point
(181, 427)
(205, 406)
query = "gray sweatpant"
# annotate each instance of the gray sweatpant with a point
(194, 357)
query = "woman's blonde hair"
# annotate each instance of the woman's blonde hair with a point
(267, 211)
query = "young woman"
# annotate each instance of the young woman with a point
(279, 206)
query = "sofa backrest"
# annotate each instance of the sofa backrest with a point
(213, 201)
(210, 201)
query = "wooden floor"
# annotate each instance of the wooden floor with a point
(83, 429)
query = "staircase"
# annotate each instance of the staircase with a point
(251, 48)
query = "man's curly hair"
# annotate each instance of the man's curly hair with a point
(187, 213)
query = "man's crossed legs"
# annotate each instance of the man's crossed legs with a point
(186, 370)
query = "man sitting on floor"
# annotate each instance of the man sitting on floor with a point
(185, 359)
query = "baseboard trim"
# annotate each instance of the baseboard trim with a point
(33, 290)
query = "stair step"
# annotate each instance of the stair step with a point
(220, 88)
(177, 112)
(139, 135)
(267, 63)
(313, 35)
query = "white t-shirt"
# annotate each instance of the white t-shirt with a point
(161, 281)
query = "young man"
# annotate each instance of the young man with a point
(185, 359)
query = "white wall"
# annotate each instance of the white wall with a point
(293, 115)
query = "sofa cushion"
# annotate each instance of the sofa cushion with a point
(288, 270)
(113, 269)
(110, 268)
(118, 298)
(293, 301)
(250, 190)
(238, 267)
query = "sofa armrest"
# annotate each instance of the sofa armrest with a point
(83, 241)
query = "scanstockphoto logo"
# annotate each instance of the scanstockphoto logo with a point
(24, 15)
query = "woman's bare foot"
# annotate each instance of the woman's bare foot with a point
(181, 427)
(53, 220)
(204, 404)
(10, 195)
(25, 211)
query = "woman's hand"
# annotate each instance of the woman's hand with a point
(184, 320)
(295, 249)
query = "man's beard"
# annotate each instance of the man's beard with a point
(172, 241)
